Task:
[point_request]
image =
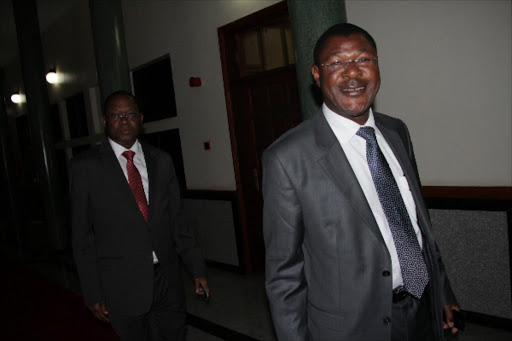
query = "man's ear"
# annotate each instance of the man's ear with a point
(104, 120)
(316, 74)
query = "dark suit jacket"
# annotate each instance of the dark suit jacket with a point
(112, 243)
(327, 266)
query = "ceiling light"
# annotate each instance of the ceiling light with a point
(51, 76)
(17, 98)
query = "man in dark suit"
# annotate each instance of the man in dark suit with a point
(128, 230)
(341, 262)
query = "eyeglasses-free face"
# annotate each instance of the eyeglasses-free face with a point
(123, 121)
(348, 75)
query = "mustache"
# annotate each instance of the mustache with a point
(353, 83)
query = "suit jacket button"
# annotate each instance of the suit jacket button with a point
(386, 320)
(386, 273)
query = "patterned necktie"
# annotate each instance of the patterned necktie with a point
(412, 263)
(135, 182)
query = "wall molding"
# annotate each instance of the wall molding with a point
(208, 194)
(468, 198)
(434, 192)
(468, 192)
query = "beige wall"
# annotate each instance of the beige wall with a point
(446, 71)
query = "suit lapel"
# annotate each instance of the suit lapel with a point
(398, 147)
(112, 169)
(152, 177)
(336, 165)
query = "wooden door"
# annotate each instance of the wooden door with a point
(262, 103)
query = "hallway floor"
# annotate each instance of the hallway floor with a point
(239, 303)
(238, 308)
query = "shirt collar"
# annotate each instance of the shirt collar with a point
(118, 149)
(345, 128)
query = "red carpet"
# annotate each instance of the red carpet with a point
(35, 309)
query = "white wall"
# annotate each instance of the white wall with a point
(187, 30)
(446, 70)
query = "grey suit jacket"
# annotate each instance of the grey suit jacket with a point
(112, 243)
(327, 266)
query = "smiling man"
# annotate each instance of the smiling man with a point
(128, 230)
(350, 251)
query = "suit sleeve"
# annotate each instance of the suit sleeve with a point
(284, 261)
(184, 237)
(448, 296)
(83, 239)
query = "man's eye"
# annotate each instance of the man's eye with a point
(363, 60)
(336, 63)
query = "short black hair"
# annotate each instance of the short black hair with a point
(117, 94)
(344, 30)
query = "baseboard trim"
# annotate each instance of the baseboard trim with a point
(488, 320)
(224, 266)
(216, 329)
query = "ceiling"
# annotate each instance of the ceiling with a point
(48, 12)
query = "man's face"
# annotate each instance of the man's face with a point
(122, 129)
(349, 89)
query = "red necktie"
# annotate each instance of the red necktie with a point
(135, 183)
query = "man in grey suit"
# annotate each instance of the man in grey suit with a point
(336, 268)
(128, 230)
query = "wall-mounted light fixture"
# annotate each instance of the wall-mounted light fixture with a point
(17, 98)
(52, 77)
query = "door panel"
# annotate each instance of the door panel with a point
(262, 103)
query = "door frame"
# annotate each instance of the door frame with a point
(226, 45)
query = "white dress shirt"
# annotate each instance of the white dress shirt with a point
(140, 163)
(354, 147)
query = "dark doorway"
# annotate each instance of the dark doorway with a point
(262, 103)
(169, 141)
(153, 86)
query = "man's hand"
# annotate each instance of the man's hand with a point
(199, 287)
(449, 324)
(99, 310)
